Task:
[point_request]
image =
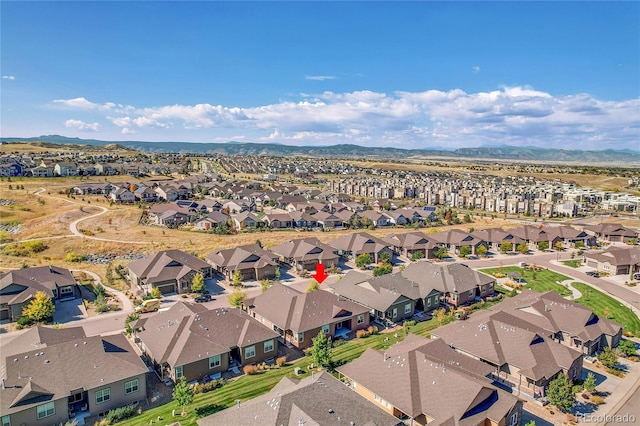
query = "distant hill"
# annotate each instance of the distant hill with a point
(355, 151)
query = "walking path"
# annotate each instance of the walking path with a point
(575, 293)
(126, 303)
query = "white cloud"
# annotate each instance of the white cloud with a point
(127, 131)
(475, 69)
(319, 77)
(517, 115)
(8, 77)
(82, 126)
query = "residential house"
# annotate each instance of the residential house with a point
(426, 382)
(302, 220)
(253, 262)
(612, 232)
(378, 219)
(11, 169)
(190, 341)
(170, 215)
(19, 287)
(455, 239)
(520, 352)
(407, 244)
(51, 376)
(211, 221)
(299, 317)
(353, 245)
(318, 399)
(306, 253)
(65, 169)
(146, 194)
(246, 220)
(121, 195)
(398, 217)
(327, 220)
(383, 295)
(566, 322)
(278, 220)
(458, 283)
(534, 235)
(615, 260)
(171, 271)
(41, 171)
(167, 193)
(571, 236)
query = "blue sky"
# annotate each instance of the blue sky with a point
(414, 74)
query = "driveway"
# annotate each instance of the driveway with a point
(69, 310)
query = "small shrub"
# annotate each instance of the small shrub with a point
(280, 361)
(25, 321)
(250, 369)
(597, 400)
(361, 333)
(372, 330)
(576, 388)
(122, 413)
(207, 410)
(409, 323)
(338, 342)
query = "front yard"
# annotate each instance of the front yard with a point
(540, 281)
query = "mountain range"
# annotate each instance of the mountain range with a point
(628, 157)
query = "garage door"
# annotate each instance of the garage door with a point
(4, 314)
(592, 263)
(624, 270)
(166, 288)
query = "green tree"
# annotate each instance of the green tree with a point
(608, 358)
(467, 218)
(321, 350)
(506, 247)
(627, 347)
(156, 293)
(197, 284)
(278, 273)
(236, 279)
(236, 298)
(183, 393)
(523, 248)
(441, 315)
(531, 423)
(543, 245)
(313, 286)
(464, 251)
(100, 304)
(560, 394)
(108, 275)
(385, 257)
(441, 253)
(482, 251)
(558, 245)
(590, 382)
(382, 269)
(265, 284)
(40, 308)
(259, 243)
(363, 260)
(417, 255)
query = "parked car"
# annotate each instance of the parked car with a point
(593, 274)
(203, 298)
(149, 305)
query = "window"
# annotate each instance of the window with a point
(381, 401)
(483, 288)
(250, 351)
(325, 329)
(214, 361)
(395, 313)
(44, 410)
(178, 372)
(429, 301)
(131, 386)
(360, 319)
(407, 308)
(300, 337)
(268, 346)
(514, 419)
(471, 293)
(6, 421)
(103, 395)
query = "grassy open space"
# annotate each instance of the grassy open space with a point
(574, 263)
(598, 302)
(545, 280)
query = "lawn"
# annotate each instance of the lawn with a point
(598, 302)
(545, 280)
(574, 263)
(248, 387)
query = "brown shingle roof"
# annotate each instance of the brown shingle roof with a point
(167, 264)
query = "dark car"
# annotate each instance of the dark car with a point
(593, 274)
(203, 298)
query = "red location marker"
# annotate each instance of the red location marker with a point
(319, 275)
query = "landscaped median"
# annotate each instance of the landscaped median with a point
(251, 386)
